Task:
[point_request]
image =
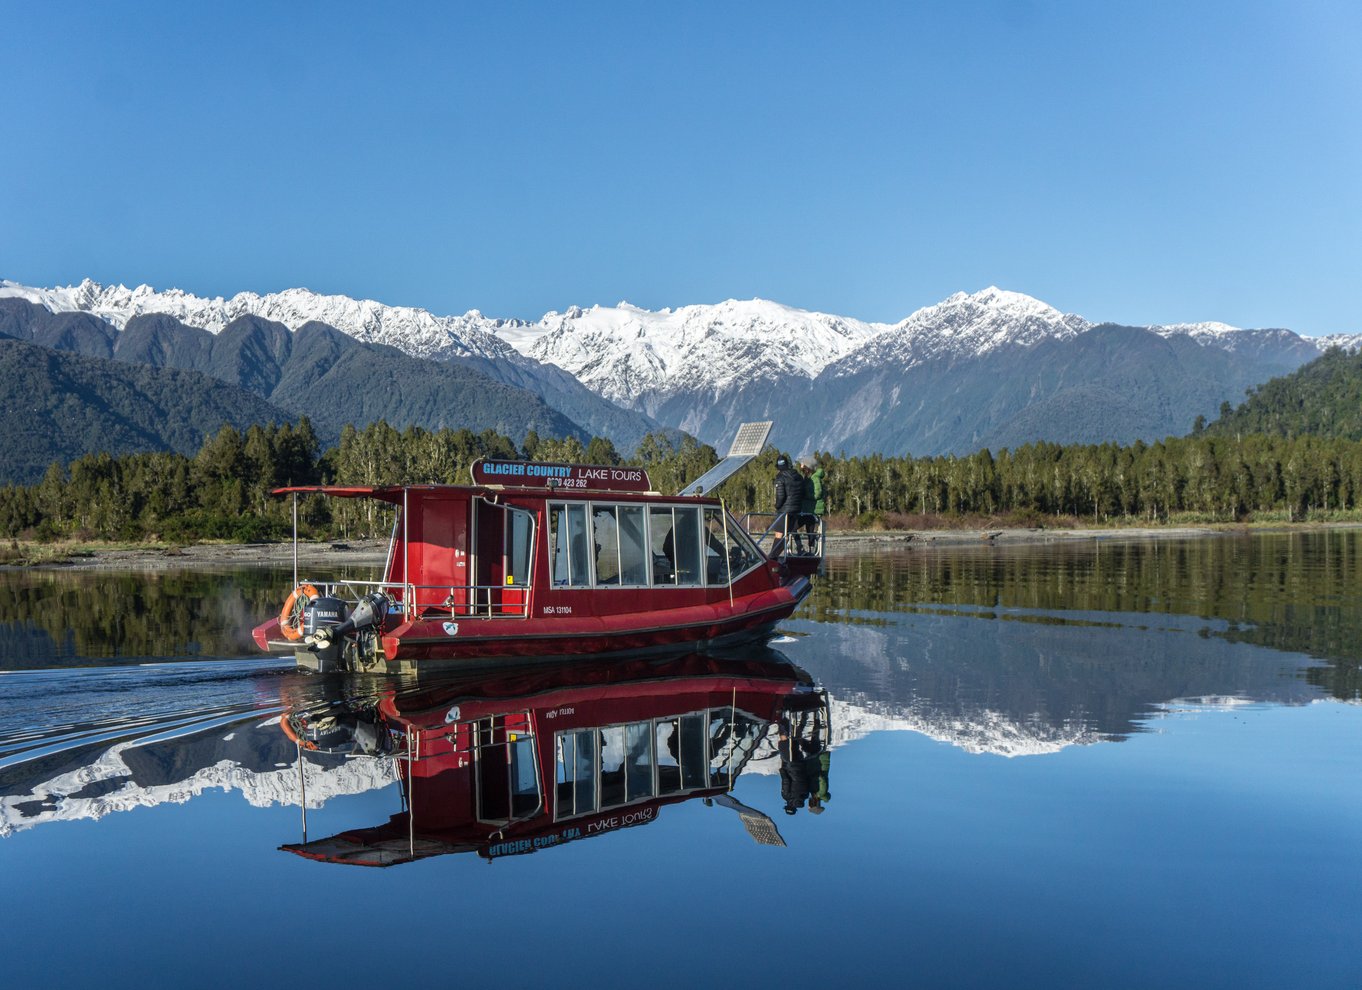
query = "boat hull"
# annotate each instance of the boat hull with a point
(716, 625)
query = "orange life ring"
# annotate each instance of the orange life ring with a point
(291, 615)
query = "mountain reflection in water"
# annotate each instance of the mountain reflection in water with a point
(1011, 651)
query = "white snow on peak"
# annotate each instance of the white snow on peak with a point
(1209, 334)
(965, 325)
(415, 331)
(1347, 341)
(622, 351)
(1197, 331)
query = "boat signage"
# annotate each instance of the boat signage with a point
(597, 826)
(569, 477)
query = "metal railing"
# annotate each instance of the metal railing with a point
(468, 601)
(796, 544)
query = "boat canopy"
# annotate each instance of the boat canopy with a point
(387, 493)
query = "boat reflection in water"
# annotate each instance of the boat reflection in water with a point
(512, 763)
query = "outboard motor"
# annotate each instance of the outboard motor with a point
(321, 615)
(369, 611)
(351, 640)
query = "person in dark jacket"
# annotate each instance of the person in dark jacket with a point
(789, 499)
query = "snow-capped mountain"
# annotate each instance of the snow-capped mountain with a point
(417, 332)
(470, 340)
(639, 357)
(989, 368)
(963, 326)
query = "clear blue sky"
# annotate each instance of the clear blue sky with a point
(1132, 161)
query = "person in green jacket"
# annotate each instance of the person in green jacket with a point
(812, 506)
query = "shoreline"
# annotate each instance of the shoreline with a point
(374, 552)
(1004, 536)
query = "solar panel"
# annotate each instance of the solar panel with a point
(751, 439)
(749, 442)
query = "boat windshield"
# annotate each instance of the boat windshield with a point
(728, 550)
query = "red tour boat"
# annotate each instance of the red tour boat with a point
(536, 560)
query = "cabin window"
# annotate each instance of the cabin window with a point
(606, 534)
(681, 762)
(618, 534)
(633, 546)
(674, 541)
(519, 546)
(568, 545)
(612, 766)
(626, 763)
(659, 536)
(638, 761)
(693, 751)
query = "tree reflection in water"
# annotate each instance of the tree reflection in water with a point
(57, 618)
(1299, 592)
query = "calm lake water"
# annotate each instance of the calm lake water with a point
(1120, 764)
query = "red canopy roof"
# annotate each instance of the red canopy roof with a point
(388, 493)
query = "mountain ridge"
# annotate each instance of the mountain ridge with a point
(703, 368)
(315, 370)
(468, 341)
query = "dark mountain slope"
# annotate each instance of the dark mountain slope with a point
(80, 333)
(58, 406)
(335, 379)
(1110, 383)
(597, 415)
(318, 371)
(346, 381)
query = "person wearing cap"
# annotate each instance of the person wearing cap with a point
(789, 499)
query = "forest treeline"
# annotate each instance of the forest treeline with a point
(223, 492)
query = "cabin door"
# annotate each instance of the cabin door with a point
(505, 545)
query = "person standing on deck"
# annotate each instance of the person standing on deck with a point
(812, 504)
(789, 498)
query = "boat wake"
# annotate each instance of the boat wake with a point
(111, 739)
